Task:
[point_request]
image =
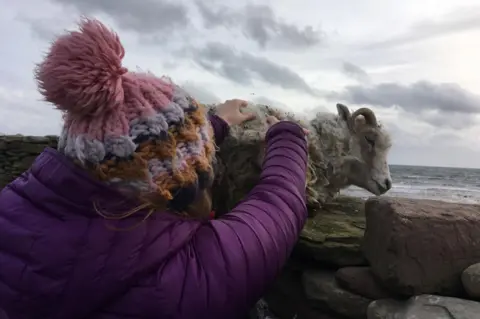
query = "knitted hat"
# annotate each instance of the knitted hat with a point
(132, 130)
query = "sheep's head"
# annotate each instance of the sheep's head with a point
(366, 166)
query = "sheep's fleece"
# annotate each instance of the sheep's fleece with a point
(240, 156)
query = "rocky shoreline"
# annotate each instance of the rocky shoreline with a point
(384, 258)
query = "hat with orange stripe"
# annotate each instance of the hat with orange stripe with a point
(138, 132)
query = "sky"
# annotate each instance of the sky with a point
(415, 63)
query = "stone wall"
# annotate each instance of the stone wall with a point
(17, 153)
(384, 258)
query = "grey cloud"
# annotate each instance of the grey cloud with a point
(446, 147)
(304, 113)
(443, 104)
(25, 113)
(200, 93)
(443, 149)
(243, 68)
(45, 29)
(446, 97)
(459, 20)
(149, 16)
(451, 120)
(259, 23)
(404, 138)
(400, 136)
(446, 139)
(354, 71)
(40, 28)
(268, 101)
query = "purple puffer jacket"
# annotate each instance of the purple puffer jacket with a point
(60, 260)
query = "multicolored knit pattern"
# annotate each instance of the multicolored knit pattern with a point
(141, 133)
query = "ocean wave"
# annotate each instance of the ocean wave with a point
(439, 183)
(448, 194)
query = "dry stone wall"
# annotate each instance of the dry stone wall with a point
(17, 153)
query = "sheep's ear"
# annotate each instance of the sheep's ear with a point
(344, 114)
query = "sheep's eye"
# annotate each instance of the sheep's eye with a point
(370, 141)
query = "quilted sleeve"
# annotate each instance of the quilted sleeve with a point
(237, 256)
(220, 128)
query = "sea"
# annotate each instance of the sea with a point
(460, 185)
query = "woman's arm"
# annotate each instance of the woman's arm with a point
(244, 251)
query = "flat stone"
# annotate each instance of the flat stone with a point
(334, 236)
(323, 291)
(36, 139)
(471, 281)
(33, 148)
(361, 281)
(27, 161)
(421, 246)
(424, 307)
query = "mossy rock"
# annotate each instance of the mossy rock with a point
(334, 236)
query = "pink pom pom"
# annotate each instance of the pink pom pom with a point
(82, 72)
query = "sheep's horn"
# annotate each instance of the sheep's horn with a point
(368, 114)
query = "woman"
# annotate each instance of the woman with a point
(114, 224)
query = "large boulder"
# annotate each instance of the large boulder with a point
(335, 234)
(421, 246)
(323, 291)
(424, 307)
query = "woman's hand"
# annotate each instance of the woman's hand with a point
(231, 114)
(272, 120)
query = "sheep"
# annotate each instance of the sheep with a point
(344, 149)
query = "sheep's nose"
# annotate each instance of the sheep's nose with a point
(388, 184)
